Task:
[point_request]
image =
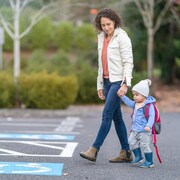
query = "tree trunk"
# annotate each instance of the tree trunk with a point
(17, 50)
(16, 42)
(16, 59)
(17, 69)
(150, 48)
(170, 58)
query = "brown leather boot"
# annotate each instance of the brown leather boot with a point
(90, 154)
(124, 156)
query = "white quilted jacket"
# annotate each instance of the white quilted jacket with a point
(119, 56)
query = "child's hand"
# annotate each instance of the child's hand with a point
(147, 128)
(122, 90)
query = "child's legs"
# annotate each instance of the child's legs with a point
(145, 142)
(133, 140)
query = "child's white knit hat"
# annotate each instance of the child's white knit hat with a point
(142, 87)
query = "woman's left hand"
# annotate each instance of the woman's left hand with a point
(122, 90)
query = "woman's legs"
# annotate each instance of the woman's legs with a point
(91, 153)
(125, 154)
(121, 129)
(112, 104)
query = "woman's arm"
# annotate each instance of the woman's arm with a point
(127, 57)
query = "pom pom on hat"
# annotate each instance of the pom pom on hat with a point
(149, 81)
(142, 87)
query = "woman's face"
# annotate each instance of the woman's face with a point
(107, 26)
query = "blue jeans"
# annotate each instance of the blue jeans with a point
(112, 111)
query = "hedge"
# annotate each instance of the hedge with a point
(7, 90)
(47, 91)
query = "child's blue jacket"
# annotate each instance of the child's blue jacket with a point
(139, 122)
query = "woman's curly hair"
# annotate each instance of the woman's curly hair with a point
(107, 13)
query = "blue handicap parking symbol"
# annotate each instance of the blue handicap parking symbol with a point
(52, 169)
(38, 136)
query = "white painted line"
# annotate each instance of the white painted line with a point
(33, 155)
(63, 125)
(43, 132)
(44, 142)
(68, 150)
(12, 152)
(38, 124)
(42, 145)
(30, 124)
(65, 151)
(69, 124)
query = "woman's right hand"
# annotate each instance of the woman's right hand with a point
(101, 94)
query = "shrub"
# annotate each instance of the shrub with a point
(85, 38)
(7, 90)
(60, 63)
(63, 36)
(8, 42)
(177, 68)
(39, 36)
(87, 76)
(37, 62)
(47, 91)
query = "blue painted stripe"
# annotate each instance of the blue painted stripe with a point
(38, 136)
(51, 169)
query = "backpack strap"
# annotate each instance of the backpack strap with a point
(146, 110)
(157, 112)
(155, 145)
(146, 114)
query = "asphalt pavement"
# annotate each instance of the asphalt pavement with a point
(34, 143)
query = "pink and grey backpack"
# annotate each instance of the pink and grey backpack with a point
(156, 129)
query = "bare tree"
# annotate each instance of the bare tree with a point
(175, 11)
(146, 9)
(12, 25)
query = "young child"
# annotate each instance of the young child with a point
(141, 131)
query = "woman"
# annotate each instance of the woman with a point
(115, 64)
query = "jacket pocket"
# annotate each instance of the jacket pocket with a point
(114, 50)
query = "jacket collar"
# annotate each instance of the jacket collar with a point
(116, 31)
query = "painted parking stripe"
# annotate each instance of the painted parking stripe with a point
(38, 136)
(65, 149)
(52, 169)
